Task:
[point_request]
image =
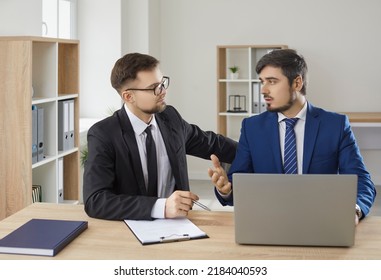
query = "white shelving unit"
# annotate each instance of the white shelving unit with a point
(48, 69)
(246, 86)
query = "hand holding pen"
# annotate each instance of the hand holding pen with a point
(179, 203)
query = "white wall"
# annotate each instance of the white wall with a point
(135, 26)
(107, 29)
(141, 27)
(339, 39)
(99, 32)
(20, 18)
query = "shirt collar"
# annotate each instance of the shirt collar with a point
(301, 115)
(137, 124)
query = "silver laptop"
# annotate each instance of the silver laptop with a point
(302, 210)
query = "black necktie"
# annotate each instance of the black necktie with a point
(151, 163)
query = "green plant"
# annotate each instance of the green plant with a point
(234, 69)
(84, 155)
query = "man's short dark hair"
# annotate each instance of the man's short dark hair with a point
(127, 67)
(291, 64)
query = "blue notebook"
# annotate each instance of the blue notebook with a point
(41, 237)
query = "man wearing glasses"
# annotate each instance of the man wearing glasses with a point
(136, 166)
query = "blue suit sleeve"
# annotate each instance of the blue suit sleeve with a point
(351, 162)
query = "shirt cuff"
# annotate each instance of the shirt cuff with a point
(359, 212)
(158, 209)
(225, 196)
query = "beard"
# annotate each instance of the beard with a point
(285, 107)
(157, 109)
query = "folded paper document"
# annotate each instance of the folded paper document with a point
(165, 230)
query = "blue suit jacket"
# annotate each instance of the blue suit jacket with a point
(329, 148)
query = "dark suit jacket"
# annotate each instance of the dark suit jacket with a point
(113, 185)
(329, 148)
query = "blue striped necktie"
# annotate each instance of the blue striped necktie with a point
(290, 160)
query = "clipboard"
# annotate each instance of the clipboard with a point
(164, 230)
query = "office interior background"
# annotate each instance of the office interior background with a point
(339, 40)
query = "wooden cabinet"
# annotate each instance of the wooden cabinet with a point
(238, 96)
(48, 69)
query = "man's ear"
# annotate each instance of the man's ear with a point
(298, 83)
(127, 96)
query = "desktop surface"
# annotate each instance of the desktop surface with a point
(107, 240)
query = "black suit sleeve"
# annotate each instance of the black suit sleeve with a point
(202, 143)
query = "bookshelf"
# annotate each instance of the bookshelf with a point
(48, 69)
(238, 97)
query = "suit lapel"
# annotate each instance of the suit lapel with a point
(130, 140)
(169, 137)
(310, 134)
(272, 127)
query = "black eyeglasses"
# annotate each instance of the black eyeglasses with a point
(158, 89)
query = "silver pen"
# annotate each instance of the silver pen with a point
(201, 205)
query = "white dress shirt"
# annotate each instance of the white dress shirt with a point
(165, 179)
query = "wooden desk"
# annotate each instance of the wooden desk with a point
(113, 240)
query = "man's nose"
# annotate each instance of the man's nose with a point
(264, 89)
